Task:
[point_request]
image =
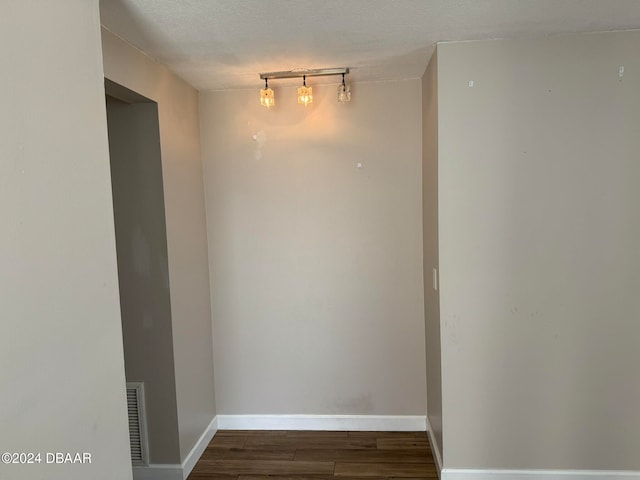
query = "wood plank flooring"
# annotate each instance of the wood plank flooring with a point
(300, 455)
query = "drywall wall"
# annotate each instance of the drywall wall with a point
(61, 359)
(143, 273)
(185, 226)
(430, 247)
(539, 233)
(315, 245)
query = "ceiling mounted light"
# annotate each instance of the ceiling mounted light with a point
(344, 92)
(267, 98)
(305, 94)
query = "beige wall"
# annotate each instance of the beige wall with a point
(141, 243)
(186, 231)
(430, 246)
(539, 235)
(61, 360)
(316, 265)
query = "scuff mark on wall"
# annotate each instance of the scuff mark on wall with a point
(359, 404)
(260, 138)
(451, 327)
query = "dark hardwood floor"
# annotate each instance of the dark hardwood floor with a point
(297, 455)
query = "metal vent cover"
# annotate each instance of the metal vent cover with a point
(137, 424)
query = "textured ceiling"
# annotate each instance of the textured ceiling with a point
(222, 44)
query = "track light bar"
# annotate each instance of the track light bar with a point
(317, 72)
(305, 93)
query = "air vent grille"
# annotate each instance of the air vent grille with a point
(137, 427)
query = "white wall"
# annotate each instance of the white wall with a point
(430, 248)
(316, 265)
(186, 230)
(61, 360)
(539, 235)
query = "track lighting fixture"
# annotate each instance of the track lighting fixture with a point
(267, 98)
(305, 93)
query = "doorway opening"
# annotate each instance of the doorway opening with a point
(143, 272)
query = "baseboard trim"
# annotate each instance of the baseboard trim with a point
(158, 472)
(437, 455)
(178, 471)
(199, 448)
(400, 423)
(468, 474)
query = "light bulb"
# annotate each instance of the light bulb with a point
(267, 97)
(305, 94)
(344, 93)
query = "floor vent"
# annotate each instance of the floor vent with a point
(137, 423)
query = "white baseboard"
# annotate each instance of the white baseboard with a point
(158, 472)
(176, 471)
(435, 448)
(465, 474)
(400, 423)
(200, 446)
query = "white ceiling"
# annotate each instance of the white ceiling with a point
(223, 44)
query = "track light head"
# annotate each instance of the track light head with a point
(267, 97)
